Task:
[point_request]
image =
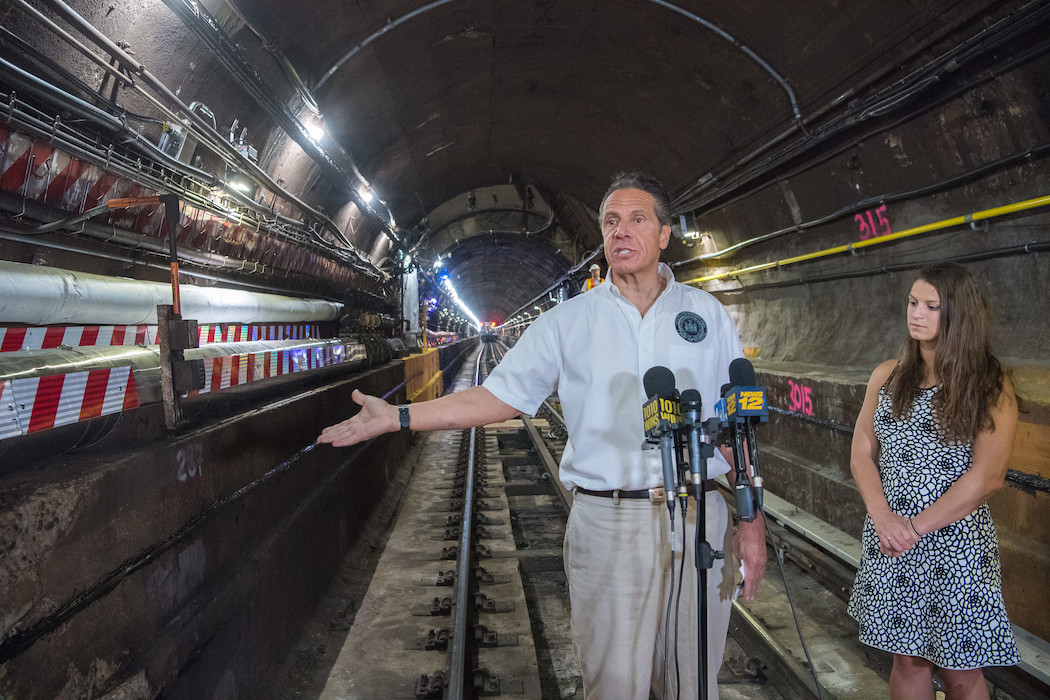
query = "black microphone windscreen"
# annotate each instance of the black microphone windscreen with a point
(742, 372)
(658, 381)
(690, 400)
(725, 389)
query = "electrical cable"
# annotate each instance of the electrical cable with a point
(1039, 151)
(778, 553)
(667, 612)
(205, 133)
(112, 161)
(678, 602)
(1033, 248)
(909, 86)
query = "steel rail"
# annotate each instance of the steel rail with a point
(462, 635)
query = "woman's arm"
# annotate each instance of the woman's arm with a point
(894, 531)
(991, 455)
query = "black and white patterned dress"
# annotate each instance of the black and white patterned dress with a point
(942, 600)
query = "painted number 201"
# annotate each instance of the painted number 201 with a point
(868, 226)
(801, 399)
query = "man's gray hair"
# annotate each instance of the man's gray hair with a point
(647, 183)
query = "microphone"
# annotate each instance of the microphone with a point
(745, 503)
(745, 403)
(690, 408)
(660, 418)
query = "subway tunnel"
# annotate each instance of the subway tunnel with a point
(219, 218)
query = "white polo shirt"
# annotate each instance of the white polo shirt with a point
(595, 348)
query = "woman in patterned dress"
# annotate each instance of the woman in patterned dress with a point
(931, 444)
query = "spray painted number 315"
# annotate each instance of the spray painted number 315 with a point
(866, 222)
(801, 399)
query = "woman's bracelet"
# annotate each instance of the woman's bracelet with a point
(913, 527)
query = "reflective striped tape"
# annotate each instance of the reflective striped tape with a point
(14, 338)
(40, 403)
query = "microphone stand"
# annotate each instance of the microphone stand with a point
(700, 450)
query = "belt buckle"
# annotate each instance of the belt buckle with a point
(657, 495)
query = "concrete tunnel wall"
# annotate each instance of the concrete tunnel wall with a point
(818, 341)
(210, 613)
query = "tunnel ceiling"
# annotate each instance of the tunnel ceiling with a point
(435, 99)
(491, 129)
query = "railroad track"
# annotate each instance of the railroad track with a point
(468, 598)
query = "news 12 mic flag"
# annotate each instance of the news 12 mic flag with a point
(742, 402)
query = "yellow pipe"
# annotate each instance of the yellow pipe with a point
(946, 223)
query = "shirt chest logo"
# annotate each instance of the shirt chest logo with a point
(690, 326)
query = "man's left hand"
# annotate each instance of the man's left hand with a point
(749, 545)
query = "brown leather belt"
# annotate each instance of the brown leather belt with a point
(655, 494)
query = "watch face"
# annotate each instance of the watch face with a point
(402, 413)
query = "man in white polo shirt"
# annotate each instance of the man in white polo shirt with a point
(617, 545)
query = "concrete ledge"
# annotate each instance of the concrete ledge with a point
(1035, 652)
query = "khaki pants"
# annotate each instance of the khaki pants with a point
(618, 563)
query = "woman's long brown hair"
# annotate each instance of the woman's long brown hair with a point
(971, 378)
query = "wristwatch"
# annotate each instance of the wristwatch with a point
(403, 417)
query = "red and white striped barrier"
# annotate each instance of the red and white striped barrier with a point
(225, 372)
(34, 404)
(40, 403)
(14, 338)
(238, 333)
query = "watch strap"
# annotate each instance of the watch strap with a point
(403, 417)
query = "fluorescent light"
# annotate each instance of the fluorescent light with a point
(455, 297)
(315, 130)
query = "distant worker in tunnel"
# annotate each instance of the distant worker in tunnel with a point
(617, 551)
(595, 279)
(931, 444)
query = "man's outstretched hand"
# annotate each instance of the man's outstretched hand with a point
(375, 418)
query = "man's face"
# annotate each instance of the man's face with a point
(596, 275)
(633, 235)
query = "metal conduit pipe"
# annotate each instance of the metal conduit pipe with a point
(881, 100)
(56, 135)
(48, 92)
(208, 31)
(270, 45)
(210, 137)
(38, 295)
(69, 39)
(833, 127)
(21, 206)
(207, 179)
(907, 233)
(84, 150)
(1030, 248)
(7, 234)
(1022, 157)
(60, 135)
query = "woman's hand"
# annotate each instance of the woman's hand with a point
(895, 532)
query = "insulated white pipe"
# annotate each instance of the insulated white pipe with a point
(37, 296)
